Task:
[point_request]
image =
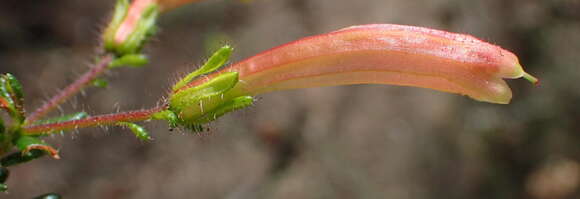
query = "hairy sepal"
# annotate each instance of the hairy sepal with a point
(194, 102)
(218, 59)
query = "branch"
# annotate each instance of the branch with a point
(101, 120)
(72, 89)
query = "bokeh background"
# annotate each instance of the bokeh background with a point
(365, 141)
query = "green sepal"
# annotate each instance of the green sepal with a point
(131, 60)
(232, 105)
(139, 131)
(168, 116)
(100, 83)
(192, 103)
(48, 196)
(218, 59)
(19, 158)
(3, 187)
(144, 29)
(27, 143)
(121, 9)
(64, 118)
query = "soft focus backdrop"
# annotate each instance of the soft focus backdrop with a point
(340, 142)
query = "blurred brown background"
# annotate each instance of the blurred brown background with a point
(341, 142)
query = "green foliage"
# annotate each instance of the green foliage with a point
(139, 131)
(218, 59)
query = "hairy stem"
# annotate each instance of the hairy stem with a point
(95, 71)
(101, 120)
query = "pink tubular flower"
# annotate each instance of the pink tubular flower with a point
(383, 54)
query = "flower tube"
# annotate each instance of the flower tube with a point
(383, 54)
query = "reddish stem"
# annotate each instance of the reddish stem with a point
(100, 120)
(72, 89)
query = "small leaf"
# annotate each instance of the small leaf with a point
(64, 118)
(11, 97)
(15, 88)
(19, 158)
(27, 143)
(139, 131)
(49, 196)
(3, 187)
(218, 59)
(100, 83)
(232, 105)
(132, 60)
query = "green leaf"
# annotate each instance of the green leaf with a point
(139, 131)
(27, 143)
(48, 196)
(100, 83)
(19, 158)
(132, 60)
(232, 105)
(11, 97)
(64, 118)
(121, 9)
(15, 88)
(3, 187)
(218, 59)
